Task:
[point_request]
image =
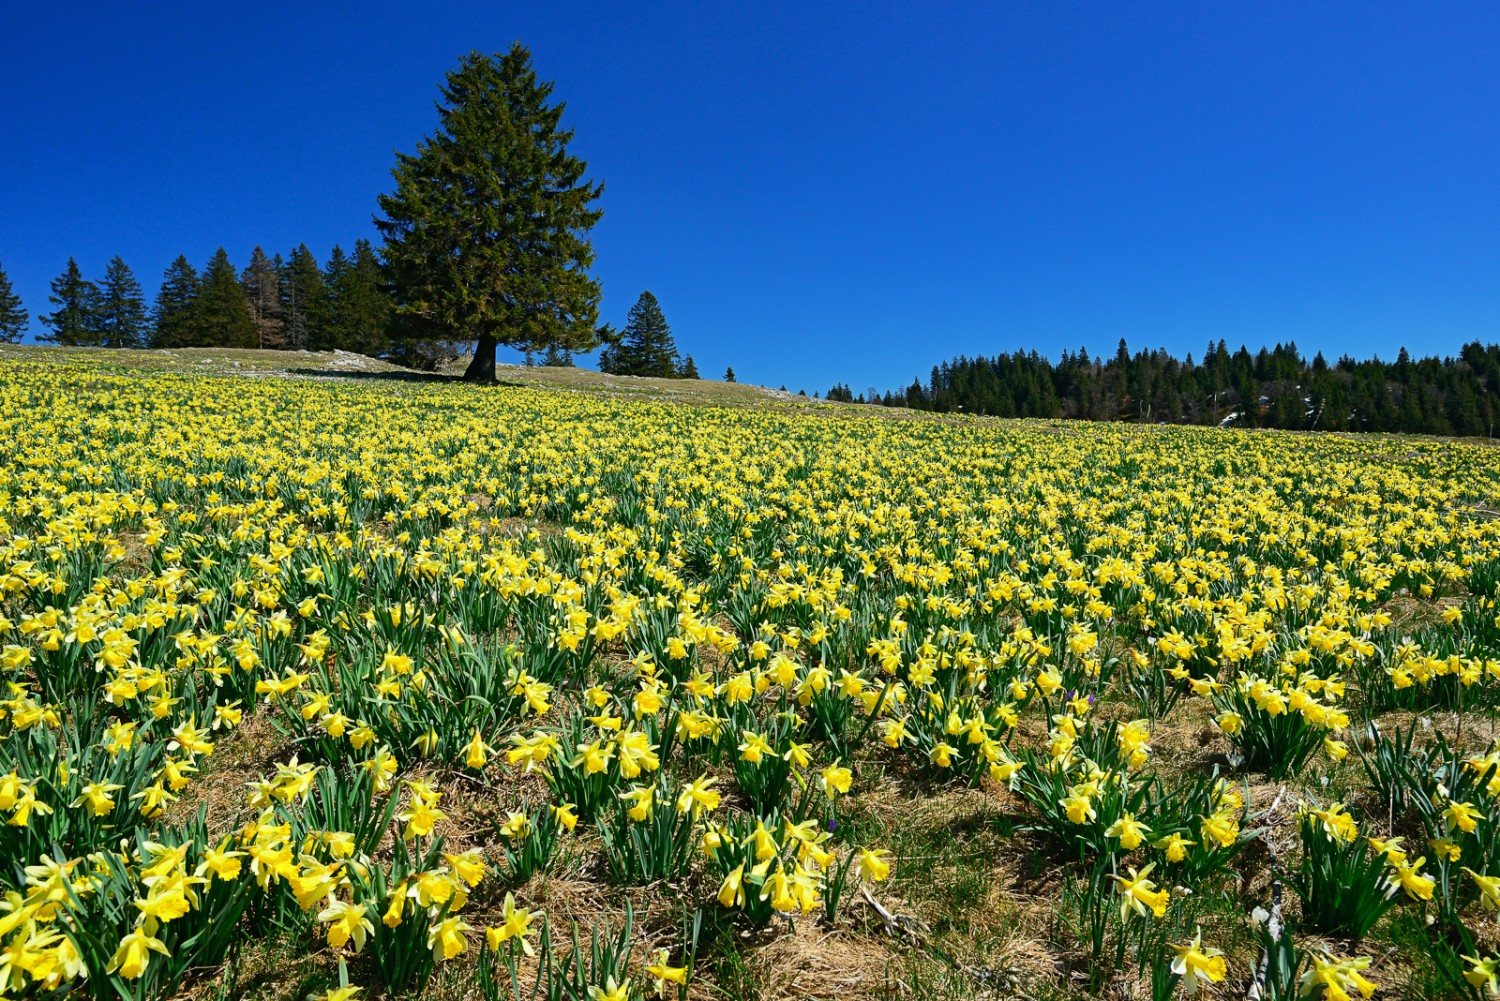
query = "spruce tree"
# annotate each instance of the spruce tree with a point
(556, 357)
(75, 321)
(729, 374)
(174, 314)
(13, 315)
(646, 346)
(331, 334)
(261, 281)
(609, 358)
(122, 308)
(303, 299)
(360, 308)
(1463, 411)
(486, 233)
(223, 315)
(689, 369)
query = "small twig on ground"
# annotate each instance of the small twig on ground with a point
(913, 928)
(1273, 922)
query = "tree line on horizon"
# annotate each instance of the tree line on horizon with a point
(486, 243)
(286, 304)
(276, 303)
(1274, 388)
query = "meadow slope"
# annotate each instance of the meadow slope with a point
(327, 677)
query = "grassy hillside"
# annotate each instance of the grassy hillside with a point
(333, 364)
(319, 669)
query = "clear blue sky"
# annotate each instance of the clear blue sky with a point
(820, 192)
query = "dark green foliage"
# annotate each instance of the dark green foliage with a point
(608, 358)
(13, 315)
(367, 302)
(689, 369)
(1393, 766)
(1274, 388)
(222, 316)
(556, 357)
(261, 281)
(729, 374)
(1341, 883)
(173, 315)
(358, 312)
(121, 308)
(75, 321)
(645, 346)
(486, 231)
(658, 847)
(324, 336)
(526, 851)
(303, 299)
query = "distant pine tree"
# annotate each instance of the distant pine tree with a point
(223, 316)
(557, 357)
(75, 321)
(840, 393)
(689, 369)
(121, 308)
(729, 374)
(356, 315)
(303, 299)
(1463, 410)
(329, 334)
(174, 314)
(261, 281)
(364, 305)
(13, 316)
(646, 346)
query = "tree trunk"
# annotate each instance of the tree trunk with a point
(482, 366)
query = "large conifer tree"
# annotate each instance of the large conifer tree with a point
(223, 315)
(13, 316)
(261, 281)
(75, 321)
(121, 308)
(359, 309)
(174, 314)
(486, 233)
(330, 334)
(646, 346)
(303, 299)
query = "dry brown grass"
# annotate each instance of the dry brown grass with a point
(982, 899)
(977, 898)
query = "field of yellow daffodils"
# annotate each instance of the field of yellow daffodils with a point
(363, 688)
